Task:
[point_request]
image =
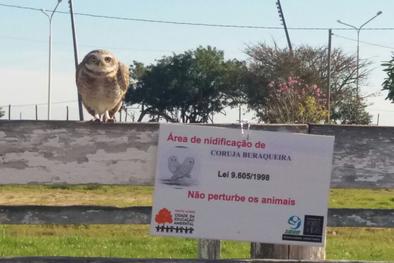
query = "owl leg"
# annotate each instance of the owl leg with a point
(97, 118)
(113, 111)
(107, 118)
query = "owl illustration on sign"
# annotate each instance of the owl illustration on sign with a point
(180, 170)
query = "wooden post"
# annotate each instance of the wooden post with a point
(263, 250)
(208, 249)
(36, 107)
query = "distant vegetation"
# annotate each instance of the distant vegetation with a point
(281, 87)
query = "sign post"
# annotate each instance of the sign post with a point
(218, 183)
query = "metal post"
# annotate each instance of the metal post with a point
(9, 112)
(377, 122)
(329, 76)
(239, 113)
(49, 69)
(36, 112)
(50, 16)
(358, 29)
(358, 61)
(67, 113)
(70, 2)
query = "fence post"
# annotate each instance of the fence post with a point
(263, 250)
(9, 112)
(208, 249)
(36, 112)
(67, 113)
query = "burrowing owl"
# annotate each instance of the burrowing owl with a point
(102, 82)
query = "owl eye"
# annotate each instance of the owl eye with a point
(93, 59)
(108, 59)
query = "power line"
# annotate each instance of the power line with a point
(364, 42)
(193, 23)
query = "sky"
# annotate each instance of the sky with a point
(24, 42)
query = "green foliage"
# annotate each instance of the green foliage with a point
(187, 87)
(351, 110)
(388, 83)
(309, 65)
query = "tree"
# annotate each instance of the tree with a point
(308, 65)
(187, 87)
(293, 101)
(1, 113)
(388, 83)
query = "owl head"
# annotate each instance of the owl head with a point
(101, 61)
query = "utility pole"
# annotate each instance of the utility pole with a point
(70, 2)
(329, 76)
(282, 18)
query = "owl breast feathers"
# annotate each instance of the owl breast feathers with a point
(102, 82)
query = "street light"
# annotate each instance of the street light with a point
(50, 15)
(358, 29)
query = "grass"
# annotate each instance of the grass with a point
(124, 195)
(104, 195)
(360, 243)
(136, 242)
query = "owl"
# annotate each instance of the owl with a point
(102, 82)
(184, 169)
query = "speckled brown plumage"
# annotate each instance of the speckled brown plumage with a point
(102, 82)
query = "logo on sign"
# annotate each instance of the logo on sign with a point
(294, 222)
(164, 216)
(308, 230)
(181, 221)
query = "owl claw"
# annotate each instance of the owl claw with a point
(112, 120)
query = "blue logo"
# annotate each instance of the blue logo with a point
(295, 222)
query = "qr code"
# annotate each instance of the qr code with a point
(313, 225)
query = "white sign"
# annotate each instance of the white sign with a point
(218, 183)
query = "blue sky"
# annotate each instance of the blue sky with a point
(24, 40)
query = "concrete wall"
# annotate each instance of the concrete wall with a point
(55, 152)
(363, 155)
